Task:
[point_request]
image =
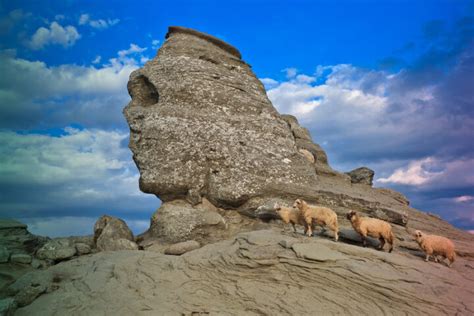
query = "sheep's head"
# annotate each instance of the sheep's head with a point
(298, 203)
(418, 235)
(350, 215)
(277, 208)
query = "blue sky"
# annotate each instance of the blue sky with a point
(386, 84)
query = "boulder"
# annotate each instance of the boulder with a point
(20, 258)
(182, 247)
(362, 175)
(57, 250)
(111, 234)
(15, 238)
(82, 249)
(179, 221)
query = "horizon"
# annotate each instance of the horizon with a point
(392, 92)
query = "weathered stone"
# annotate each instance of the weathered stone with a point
(15, 237)
(298, 131)
(8, 306)
(179, 221)
(307, 155)
(56, 250)
(29, 293)
(316, 252)
(82, 249)
(111, 234)
(200, 122)
(20, 258)
(362, 175)
(182, 247)
(36, 264)
(4, 254)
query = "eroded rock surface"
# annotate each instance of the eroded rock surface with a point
(201, 125)
(111, 233)
(261, 272)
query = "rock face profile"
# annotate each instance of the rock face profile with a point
(201, 125)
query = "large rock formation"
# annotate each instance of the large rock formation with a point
(202, 128)
(201, 125)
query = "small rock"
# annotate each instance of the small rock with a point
(36, 264)
(28, 294)
(82, 249)
(182, 247)
(8, 306)
(20, 258)
(56, 250)
(287, 243)
(362, 175)
(4, 254)
(307, 154)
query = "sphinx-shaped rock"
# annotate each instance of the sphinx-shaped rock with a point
(201, 125)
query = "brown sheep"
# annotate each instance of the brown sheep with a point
(290, 215)
(372, 227)
(434, 245)
(319, 215)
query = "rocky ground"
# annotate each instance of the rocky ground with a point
(266, 272)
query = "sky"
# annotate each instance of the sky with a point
(383, 84)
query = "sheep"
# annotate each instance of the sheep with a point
(434, 246)
(318, 215)
(290, 215)
(372, 227)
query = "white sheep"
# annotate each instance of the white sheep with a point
(318, 215)
(372, 227)
(434, 245)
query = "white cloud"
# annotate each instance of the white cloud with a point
(416, 173)
(290, 72)
(97, 24)
(269, 83)
(155, 44)
(59, 95)
(299, 97)
(86, 170)
(59, 17)
(55, 34)
(435, 173)
(464, 199)
(97, 59)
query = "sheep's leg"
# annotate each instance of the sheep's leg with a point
(364, 240)
(309, 223)
(294, 227)
(427, 258)
(382, 243)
